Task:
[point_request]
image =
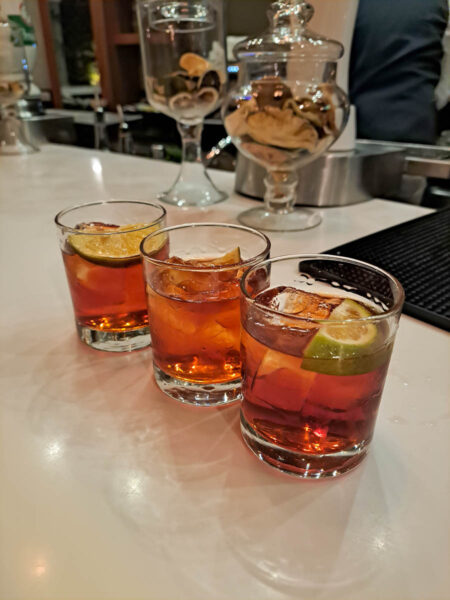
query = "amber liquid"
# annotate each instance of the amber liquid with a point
(195, 337)
(304, 411)
(107, 298)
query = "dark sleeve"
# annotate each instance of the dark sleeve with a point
(395, 67)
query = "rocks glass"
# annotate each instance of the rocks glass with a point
(100, 248)
(193, 274)
(318, 333)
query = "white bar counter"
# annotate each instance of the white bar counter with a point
(109, 490)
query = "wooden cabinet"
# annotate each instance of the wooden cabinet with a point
(117, 50)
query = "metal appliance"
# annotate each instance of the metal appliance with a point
(373, 169)
(336, 178)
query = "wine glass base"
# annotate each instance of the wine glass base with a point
(199, 192)
(297, 220)
(194, 197)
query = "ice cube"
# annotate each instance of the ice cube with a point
(183, 284)
(196, 285)
(289, 383)
(169, 282)
(292, 301)
(218, 336)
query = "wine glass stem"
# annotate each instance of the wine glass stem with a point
(280, 193)
(191, 136)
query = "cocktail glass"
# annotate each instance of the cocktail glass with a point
(193, 274)
(318, 333)
(100, 248)
(183, 57)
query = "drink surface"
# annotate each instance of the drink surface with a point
(105, 276)
(308, 387)
(195, 321)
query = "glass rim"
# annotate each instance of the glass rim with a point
(159, 5)
(377, 317)
(248, 262)
(69, 229)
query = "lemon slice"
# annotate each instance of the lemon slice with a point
(194, 64)
(227, 260)
(230, 258)
(354, 334)
(110, 245)
(351, 348)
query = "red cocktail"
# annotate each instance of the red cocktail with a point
(193, 275)
(100, 249)
(315, 357)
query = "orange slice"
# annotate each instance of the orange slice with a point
(227, 260)
(110, 245)
(194, 64)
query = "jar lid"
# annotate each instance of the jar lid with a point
(289, 37)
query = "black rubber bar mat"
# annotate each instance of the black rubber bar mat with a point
(417, 253)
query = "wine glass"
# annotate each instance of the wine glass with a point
(13, 85)
(182, 46)
(286, 110)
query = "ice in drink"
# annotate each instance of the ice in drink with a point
(194, 307)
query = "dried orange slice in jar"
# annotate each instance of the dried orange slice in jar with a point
(194, 64)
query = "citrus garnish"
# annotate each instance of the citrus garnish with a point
(230, 258)
(358, 333)
(113, 245)
(348, 348)
(226, 260)
(194, 64)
